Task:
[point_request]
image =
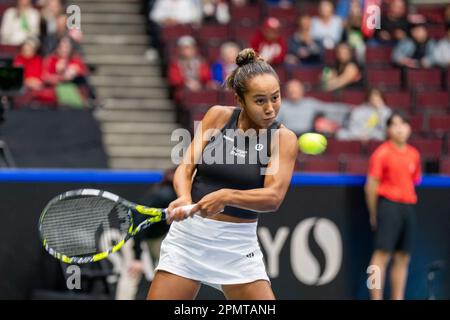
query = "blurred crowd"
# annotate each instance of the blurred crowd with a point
(37, 36)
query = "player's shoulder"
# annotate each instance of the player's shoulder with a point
(413, 150)
(382, 150)
(286, 134)
(217, 116)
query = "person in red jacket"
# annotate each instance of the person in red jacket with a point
(31, 63)
(394, 170)
(189, 70)
(269, 42)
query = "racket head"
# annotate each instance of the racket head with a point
(84, 225)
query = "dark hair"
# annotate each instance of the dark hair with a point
(399, 114)
(250, 64)
(370, 91)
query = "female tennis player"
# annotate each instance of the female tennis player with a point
(219, 246)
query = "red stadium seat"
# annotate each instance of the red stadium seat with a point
(424, 79)
(199, 99)
(384, 78)
(281, 72)
(336, 147)
(7, 51)
(417, 123)
(437, 32)
(329, 57)
(320, 164)
(378, 56)
(310, 77)
(353, 97)
(433, 101)
(439, 124)
(433, 13)
(213, 34)
(322, 96)
(372, 145)
(227, 98)
(428, 148)
(212, 53)
(398, 100)
(244, 34)
(246, 16)
(174, 32)
(444, 166)
(287, 16)
(357, 165)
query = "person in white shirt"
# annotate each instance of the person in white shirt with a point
(19, 23)
(327, 27)
(173, 12)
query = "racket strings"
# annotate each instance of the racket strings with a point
(79, 226)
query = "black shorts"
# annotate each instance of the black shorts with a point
(396, 224)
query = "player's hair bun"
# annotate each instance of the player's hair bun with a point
(247, 56)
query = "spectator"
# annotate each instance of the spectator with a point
(269, 42)
(299, 112)
(441, 53)
(394, 170)
(354, 36)
(394, 25)
(19, 22)
(302, 48)
(216, 11)
(367, 122)
(327, 27)
(50, 12)
(415, 52)
(190, 70)
(173, 12)
(227, 63)
(31, 63)
(346, 72)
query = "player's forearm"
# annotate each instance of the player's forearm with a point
(261, 200)
(182, 182)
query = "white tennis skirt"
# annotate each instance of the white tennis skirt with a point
(213, 252)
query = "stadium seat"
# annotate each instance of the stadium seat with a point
(320, 164)
(198, 99)
(212, 53)
(417, 123)
(227, 98)
(322, 96)
(398, 100)
(439, 124)
(356, 165)
(432, 101)
(7, 51)
(282, 74)
(444, 166)
(329, 57)
(287, 16)
(436, 32)
(424, 79)
(243, 34)
(371, 146)
(384, 78)
(353, 97)
(336, 147)
(428, 148)
(378, 56)
(433, 13)
(174, 32)
(310, 77)
(246, 16)
(213, 34)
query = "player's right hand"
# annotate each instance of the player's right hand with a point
(177, 215)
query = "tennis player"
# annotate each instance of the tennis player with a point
(219, 246)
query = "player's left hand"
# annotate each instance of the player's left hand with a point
(211, 204)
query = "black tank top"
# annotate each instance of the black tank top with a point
(233, 160)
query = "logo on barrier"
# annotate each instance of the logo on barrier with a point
(324, 235)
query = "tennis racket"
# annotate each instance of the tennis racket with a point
(82, 226)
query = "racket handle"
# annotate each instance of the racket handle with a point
(186, 209)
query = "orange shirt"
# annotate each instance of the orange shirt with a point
(398, 170)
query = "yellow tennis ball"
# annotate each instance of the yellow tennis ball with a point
(312, 143)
